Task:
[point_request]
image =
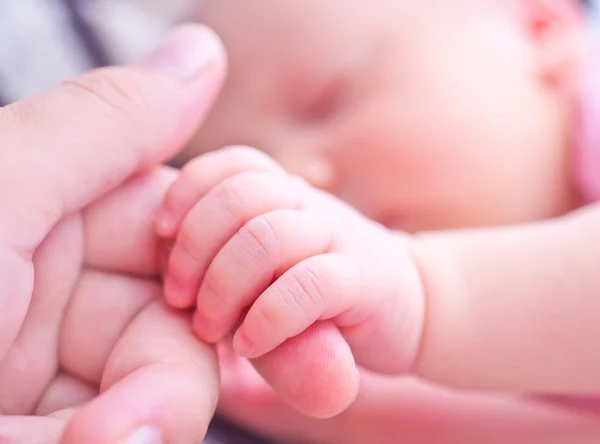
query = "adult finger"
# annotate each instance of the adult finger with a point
(31, 429)
(160, 389)
(313, 372)
(62, 149)
(119, 227)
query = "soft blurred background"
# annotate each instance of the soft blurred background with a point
(43, 42)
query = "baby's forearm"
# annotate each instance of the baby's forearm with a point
(514, 308)
(392, 410)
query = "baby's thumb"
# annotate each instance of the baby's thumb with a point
(250, 402)
(313, 372)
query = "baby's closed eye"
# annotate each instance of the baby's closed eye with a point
(324, 102)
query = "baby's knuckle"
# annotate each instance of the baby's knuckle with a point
(231, 193)
(214, 292)
(266, 316)
(188, 242)
(260, 236)
(307, 290)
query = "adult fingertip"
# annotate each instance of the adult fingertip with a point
(90, 134)
(145, 435)
(187, 53)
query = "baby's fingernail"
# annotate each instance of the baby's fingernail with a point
(165, 223)
(145, 435)
(242, 345)
(186, 53)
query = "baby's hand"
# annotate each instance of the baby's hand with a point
(256, 245)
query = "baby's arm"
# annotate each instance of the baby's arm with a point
(514, 308)
(509, 308)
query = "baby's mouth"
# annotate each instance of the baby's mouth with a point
(392, 222)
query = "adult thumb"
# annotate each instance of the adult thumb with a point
(64, 148)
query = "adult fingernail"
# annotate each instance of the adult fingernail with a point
(145, 435)
(186, 53)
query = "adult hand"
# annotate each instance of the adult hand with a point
(78, 258)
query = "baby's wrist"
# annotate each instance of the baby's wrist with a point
(413, 290)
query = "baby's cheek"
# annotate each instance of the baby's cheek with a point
(377, 166)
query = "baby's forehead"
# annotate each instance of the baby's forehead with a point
(286, 41)
(260, 32)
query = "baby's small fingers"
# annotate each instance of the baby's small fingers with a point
(203, 173)
(318, 288)
(258, 254)
(214, 220)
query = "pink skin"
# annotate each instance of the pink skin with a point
(296, 256)
(416, 113)
(259, 227)
(249, 235)
(419, 412)
(413, 112)
(89, 353)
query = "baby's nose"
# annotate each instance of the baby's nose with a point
(317, 171)
(307, 154)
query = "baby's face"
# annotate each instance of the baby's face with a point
(421, 116)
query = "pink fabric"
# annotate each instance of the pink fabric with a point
(587, 166)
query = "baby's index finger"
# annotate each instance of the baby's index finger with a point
(202, 174)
